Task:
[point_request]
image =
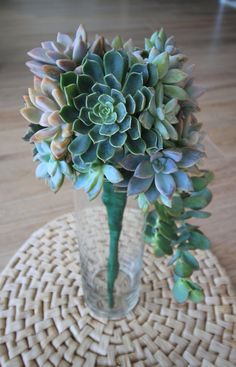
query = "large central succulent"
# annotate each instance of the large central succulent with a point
(118, 118)
(110, 97)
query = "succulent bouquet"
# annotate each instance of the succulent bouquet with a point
(118, 119)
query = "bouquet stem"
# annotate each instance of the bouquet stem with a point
(115, 203)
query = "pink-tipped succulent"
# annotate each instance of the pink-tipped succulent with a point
(42, 108)
(64, 54)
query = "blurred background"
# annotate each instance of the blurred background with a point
(204, 30)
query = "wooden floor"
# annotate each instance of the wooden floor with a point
(205, 30)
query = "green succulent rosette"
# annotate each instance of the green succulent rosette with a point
(108, 102)
(118, 119)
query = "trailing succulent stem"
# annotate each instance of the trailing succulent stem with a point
(115, 203)
(170, 234)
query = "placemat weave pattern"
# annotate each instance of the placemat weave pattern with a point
(44, 321)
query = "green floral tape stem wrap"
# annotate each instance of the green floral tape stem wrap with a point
(115, 205)
(118, 119)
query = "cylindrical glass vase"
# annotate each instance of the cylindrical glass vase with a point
(93, 241)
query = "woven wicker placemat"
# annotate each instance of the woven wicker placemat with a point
(44, 321)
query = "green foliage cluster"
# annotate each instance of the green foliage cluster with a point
(167, 230)
(103, 112)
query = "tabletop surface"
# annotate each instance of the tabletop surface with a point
(44, 320)
(205, 31)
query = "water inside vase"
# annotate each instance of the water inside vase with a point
(125, 295)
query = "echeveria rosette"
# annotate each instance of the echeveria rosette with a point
(171, 93)
(190, 133)
(42, 110)
(163, 117)
(161, 43)
(161, 174)
(92, 176)
(64, 54)
(108, 98)
(52, 170)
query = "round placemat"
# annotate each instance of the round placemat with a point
(45, 322)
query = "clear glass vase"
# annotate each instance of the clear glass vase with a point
(93, 240)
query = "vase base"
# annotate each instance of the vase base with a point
(98, 313)
(125, 295)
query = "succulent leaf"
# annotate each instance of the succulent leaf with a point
(162, 244)
(133, 83)
(190, 259)
(190, 157)
(173, 91)
(198, 240)
(94, 69)
(165, 184)
(181, 291)
(112, 174)
(196, 296)
(79, 145)
(152, 194)
(183, 269)
(198, 200)
(137, 186)
(199, 183)
(174, 76)
(162, 62)
(144, 170)
(114, 64)
(183, 182)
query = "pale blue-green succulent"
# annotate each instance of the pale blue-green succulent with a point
(159, 41)
(164, 116)
(50, 169)
(92, 176)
